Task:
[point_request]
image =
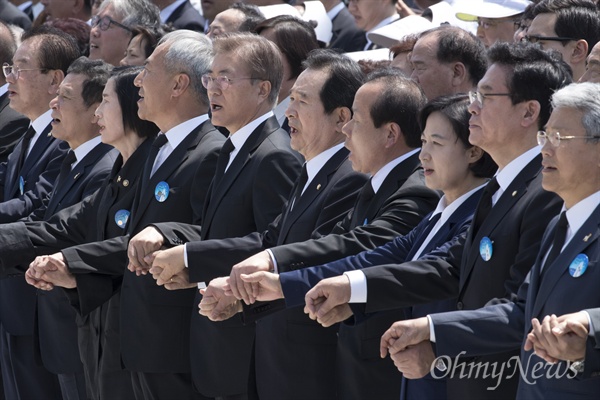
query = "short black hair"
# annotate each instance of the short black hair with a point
(399, 102)
(57, 49)
(344, 80)
(577, 19)
(532, 73)
(128, 95)
(252, 16)
(8, 44)
(455, 109)
(151, 35)
(96, 74)
(457, 45)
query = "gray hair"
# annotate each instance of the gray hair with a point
(134, 12)
(189, 53)
(584, 97)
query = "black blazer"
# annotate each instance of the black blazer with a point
(12, 126)
(249, 196)
(186, 17)
(148, 312)
(346, 36)
(515, 225)
(399, 205)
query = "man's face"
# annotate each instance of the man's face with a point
(111, 44)
(592, 66)
(59, 8)
(434, 77)
(368, 13)
(364, 141)
(210, 8)
(31, 92)
(490, 124)
(230, 105)
(224, 22)
(154, 82)
(543, 26)
(70, 115)
(492, 30)
(571, 170)
(311, 130)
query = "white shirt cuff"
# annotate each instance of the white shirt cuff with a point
(431, 330)
(273, 260)
(358, 286)
(201, 285)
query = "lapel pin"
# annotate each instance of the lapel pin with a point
(579, 265)
(125, 183)
(161, 191)
(587, 237)
(514, 193)
(319, 186)
(76, 175)
(118, 179)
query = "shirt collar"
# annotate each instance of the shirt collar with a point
(280, 110)
(580, 212)
(239, 137)
(383, 172)
(3, 89)
(510, 172)
(166, 12)
(176, 134)
(314, 165)
(335, 11)
(83, 149)
(448, 209)
(41, 122)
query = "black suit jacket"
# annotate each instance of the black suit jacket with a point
(186, 17)
(515, 225)
(346, 36)
(40, 169)
(149, 312)
(503, 327)
(12, 126)
(250, 195)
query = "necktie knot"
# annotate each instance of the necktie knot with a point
(560, 234)
(227, 147)
(160, 141)
(70, 158)
(29, 134)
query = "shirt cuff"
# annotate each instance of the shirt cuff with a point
(201, 285)
(358, 286)
(431, 330)
(273, 260)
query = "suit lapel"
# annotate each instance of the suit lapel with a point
(175, 159)
(586, 236)
(314, 189)
(505, 203)
(243, 156)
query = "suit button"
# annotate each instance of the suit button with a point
(460, 305)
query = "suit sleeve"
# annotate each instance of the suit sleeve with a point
(592, 350)
(398, 216)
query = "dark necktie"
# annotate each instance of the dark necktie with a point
(485, 204)
(65, 168)
(560, 234)
(154, 149)
(301, 183)
(359, 215)
(223, 160)
(30, 133)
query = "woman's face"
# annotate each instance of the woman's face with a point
(444, 157)
(135, 54)
(110, 117)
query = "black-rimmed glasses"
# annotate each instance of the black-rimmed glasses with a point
(104, 23)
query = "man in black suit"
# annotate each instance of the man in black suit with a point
(325, 192)
(12, 123)
(346, 36)
(79, 9)
(180, 14)
(39, 66)
(253, 180)
(176, 180)
(562, 280)
(501, 245)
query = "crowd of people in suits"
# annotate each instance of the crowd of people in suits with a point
(363, 199)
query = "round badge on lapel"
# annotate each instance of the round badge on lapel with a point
(579, 265)
(121, 218)
(486, 248)
(161, 192)
(21, 185)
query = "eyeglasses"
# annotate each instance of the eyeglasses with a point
(487, 24)
(479, 97)
(536, 38)
(105, 22)
(222, 82)
(8, 69)
(555, 137)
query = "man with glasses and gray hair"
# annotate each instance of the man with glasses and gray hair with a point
(112, 27)
(571, 27)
